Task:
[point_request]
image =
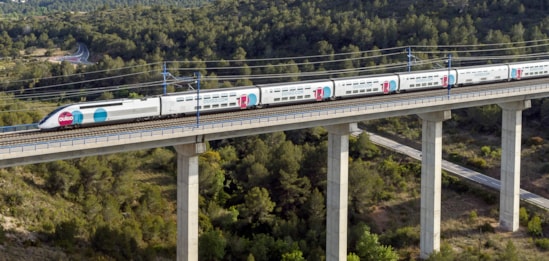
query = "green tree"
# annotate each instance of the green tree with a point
(212, 175)
(362, 147)
(534, 227)
(353, 257)
(211, 245)
(257, 206)
(369, 248)
(295, 255)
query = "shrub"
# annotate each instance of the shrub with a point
(534, 227)
(402, 237)
(65, 233)
(114, 243)
(486, 227)
(523, 216)
(478, 162)
(542, 243)
(473, 215)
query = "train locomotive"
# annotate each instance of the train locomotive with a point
(264, 95)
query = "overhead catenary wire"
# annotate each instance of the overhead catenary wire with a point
(429, 55)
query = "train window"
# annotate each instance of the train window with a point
(200, 98)
(207, 97)
(215, 106)
(224, 105)
(424, 84)
(224, 95)
(307, 96)
(199, 107)
(300, 97)
(355, 83)
(292, 89)
(292, 98)
(284, 90)
(376, 89)
(232, 94)
(362, 90)
(188, 98)
(100, 105)
(348, 92)
(277, 90)
(369, 90)
(300, 89)
(284, 98)
(232, 104)
(206, 106)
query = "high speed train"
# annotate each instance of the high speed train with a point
(260, 96)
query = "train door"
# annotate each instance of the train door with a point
(386, 87)
(243, 100)
(445, 81)
(319, 93)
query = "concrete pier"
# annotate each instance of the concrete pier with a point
(511, 133)
(431, 177)
(338, 189)
(187, 200)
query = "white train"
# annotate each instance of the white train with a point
(259, 96)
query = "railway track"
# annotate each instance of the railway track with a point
(37, 136)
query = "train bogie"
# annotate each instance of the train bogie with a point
(365, 85)
(525, 70)
(482, 74)
(101, 112)
(210, 100)
(421, 80)
(299, 92)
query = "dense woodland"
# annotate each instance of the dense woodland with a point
(262, 197)
(14, 9)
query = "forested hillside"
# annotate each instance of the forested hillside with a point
(262, 197)
(19, 8)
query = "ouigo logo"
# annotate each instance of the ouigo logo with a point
(65, 118)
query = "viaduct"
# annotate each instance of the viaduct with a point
(434, 108)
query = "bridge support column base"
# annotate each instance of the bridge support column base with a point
(511, 133)
(187, 200)
(431, 162)
(336, 210)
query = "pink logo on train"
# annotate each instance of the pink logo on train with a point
(65, 118)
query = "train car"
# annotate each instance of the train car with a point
(482, 74)
(297, 92)
(526, 70)
(365, 85)
(421, 80)
(210, 100)
(101, 112)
